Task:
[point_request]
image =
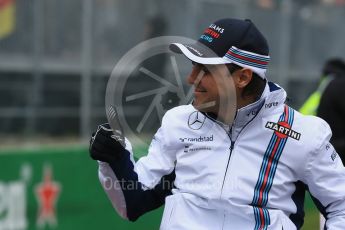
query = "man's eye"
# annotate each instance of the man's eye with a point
(204, 69)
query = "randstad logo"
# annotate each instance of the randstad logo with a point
(197, 139)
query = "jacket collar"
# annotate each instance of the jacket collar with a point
(272, 97)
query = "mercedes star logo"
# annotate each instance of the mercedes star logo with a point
(196, 120)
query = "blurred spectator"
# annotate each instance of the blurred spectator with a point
(266, 4)
(307, 2)
(334, 2)
(332, 103)
(312, 103)
(327, 103)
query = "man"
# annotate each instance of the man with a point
(242, 167)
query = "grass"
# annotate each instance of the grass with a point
(312, 217)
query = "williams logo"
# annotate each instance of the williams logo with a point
(196, 120)
(283, 130)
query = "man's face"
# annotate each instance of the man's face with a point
(213, 88)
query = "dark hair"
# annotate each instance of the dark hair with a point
(255, 87)
(334, 66)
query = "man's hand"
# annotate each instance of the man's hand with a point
(103, 145)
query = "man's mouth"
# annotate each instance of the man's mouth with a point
(200, 90)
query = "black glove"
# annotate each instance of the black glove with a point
(104, 147)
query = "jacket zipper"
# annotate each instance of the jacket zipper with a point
(227, 165)
(232, 147)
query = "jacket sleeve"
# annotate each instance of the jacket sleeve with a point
(325, 177)
(135, 192)
(159, 161)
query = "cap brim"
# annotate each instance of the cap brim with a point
(197, 53)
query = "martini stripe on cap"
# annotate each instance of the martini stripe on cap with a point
(245, 62)
(247, 58)
(246, 54)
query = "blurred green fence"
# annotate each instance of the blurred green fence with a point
(57, 189)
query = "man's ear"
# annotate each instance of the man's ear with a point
(243, 77)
